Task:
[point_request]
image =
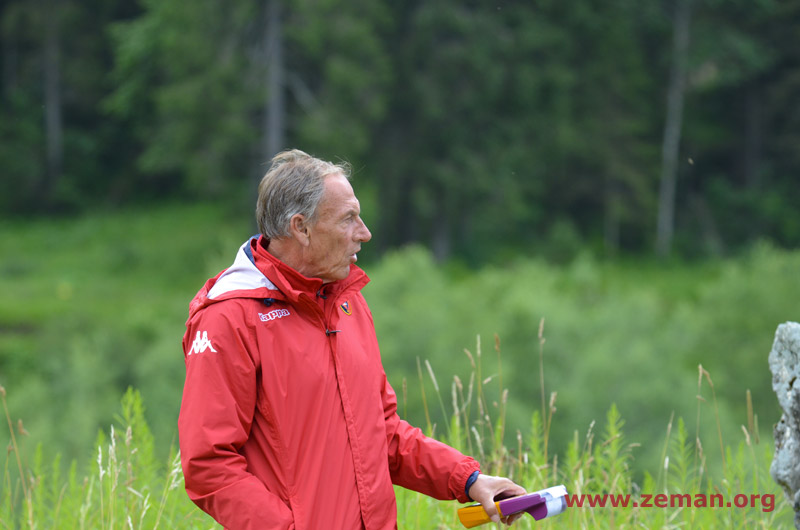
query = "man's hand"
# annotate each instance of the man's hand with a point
(487, 489)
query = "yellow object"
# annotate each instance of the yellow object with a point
(475, 515)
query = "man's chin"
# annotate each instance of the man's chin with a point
(340, 274)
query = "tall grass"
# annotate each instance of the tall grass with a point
(126, 487)
(598, 460)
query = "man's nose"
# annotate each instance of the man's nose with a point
(364, 234)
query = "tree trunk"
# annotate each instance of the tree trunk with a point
(273, 123)
(611, 217)
(52, 102)
(441, 231)
(274, 118)
(440, 235)
(672, 129)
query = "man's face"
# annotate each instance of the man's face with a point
(337, 234)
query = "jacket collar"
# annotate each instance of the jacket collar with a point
(255, 273)
(294, 284)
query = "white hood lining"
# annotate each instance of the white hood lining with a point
(242, 275)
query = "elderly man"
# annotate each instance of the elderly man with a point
(287, 419)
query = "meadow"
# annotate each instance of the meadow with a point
(609, 377)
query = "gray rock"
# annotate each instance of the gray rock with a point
(784, 363)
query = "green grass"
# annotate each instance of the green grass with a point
(126, 486)
(599, 461)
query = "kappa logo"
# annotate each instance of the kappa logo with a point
(201, 343)
(272, 315)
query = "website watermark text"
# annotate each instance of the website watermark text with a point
(765, 502)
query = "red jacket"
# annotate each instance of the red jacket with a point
(287, 419)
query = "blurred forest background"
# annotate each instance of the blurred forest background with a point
(628, 171)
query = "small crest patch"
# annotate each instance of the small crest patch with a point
(346, 308)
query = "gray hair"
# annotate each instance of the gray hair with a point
(293, 185)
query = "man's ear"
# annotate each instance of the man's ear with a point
(299, 229)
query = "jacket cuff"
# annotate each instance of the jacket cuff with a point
(470, 481)
(459, 477)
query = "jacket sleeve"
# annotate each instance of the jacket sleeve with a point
(219, 400)
(420, 463)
